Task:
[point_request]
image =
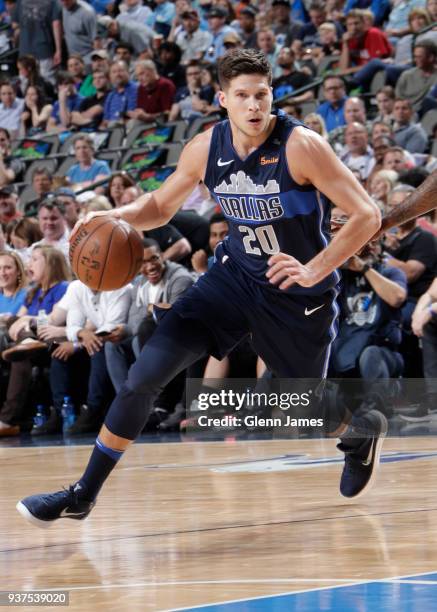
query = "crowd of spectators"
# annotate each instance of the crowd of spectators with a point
(361, 73)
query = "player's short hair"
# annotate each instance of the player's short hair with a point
(242, 61)
(151, 242)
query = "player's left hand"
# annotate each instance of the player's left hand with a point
(286, 270)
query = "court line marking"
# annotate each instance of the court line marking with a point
(394, 581)
(219, 528)
(346, 581)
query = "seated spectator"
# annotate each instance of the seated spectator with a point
(407, 134)
(379, 128)
(397, 25)
(134, 11)
(94, 203)
(385, 101)
(395, 158)
(13, 280)
(67, 197)
(328, 43)
(332, 110)
(201, 261)
(11, 168)
(139, 36)
(191, 39)
(122, 98)
(309, 33)
(76, 67)
(169, 64)
(161, 283)
(53, 225)
(117, 185)
(380, 184)
(155, 94)
(354, 111)
(11, 108)
(93, 319)
(284, 27)
(42, 182)
(90, 114)
(412, 250)
(68, 101)
(367, 344)
(216, 17)
(22, 234)
(88, 170)
(357, 154)
(162, 16)
(290, 79)
(124, 53)
(50, 275)
(415, 83)
(316, 123)
(36, 112)
(173, 245)
(200, 201)
(418, 19)
(99, 62)
(266, 42)
(193, 100)
(28, 74)
(8, 204)
(246, 28)
(361, 43)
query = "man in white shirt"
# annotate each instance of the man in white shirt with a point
(92, 319)
(357, 154)
(52, 223)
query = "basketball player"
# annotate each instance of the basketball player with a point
(274, 277)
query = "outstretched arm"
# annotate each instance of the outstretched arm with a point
(418, 203)
(155, 209)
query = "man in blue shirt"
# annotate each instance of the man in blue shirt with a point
(331, 110)
(122, 98)
(87, 170)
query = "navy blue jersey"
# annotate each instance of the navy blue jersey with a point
(267, 211)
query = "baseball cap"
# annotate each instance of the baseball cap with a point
(100, 53)
(217, 11)
(65, 191)
(8, 190)
(231, 37)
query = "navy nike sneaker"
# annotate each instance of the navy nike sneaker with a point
(42, 510)
(361, 461)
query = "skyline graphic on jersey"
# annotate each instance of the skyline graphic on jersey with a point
(243, 184)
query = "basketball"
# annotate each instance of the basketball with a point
(106, 253)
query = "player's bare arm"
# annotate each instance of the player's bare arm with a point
(155, 209)
(418, 203)
(312, 161)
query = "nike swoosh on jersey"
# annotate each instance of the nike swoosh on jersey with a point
(309, 312)
(222, 163)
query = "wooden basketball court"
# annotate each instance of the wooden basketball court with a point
(257, 523)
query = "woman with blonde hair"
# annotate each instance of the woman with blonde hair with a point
(316, 123)
(380, 184)
(50, 275)
(13, 279)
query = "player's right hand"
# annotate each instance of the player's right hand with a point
(89, 216)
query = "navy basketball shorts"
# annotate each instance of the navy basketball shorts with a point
(291, 333)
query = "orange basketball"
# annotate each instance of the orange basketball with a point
(106, 253)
